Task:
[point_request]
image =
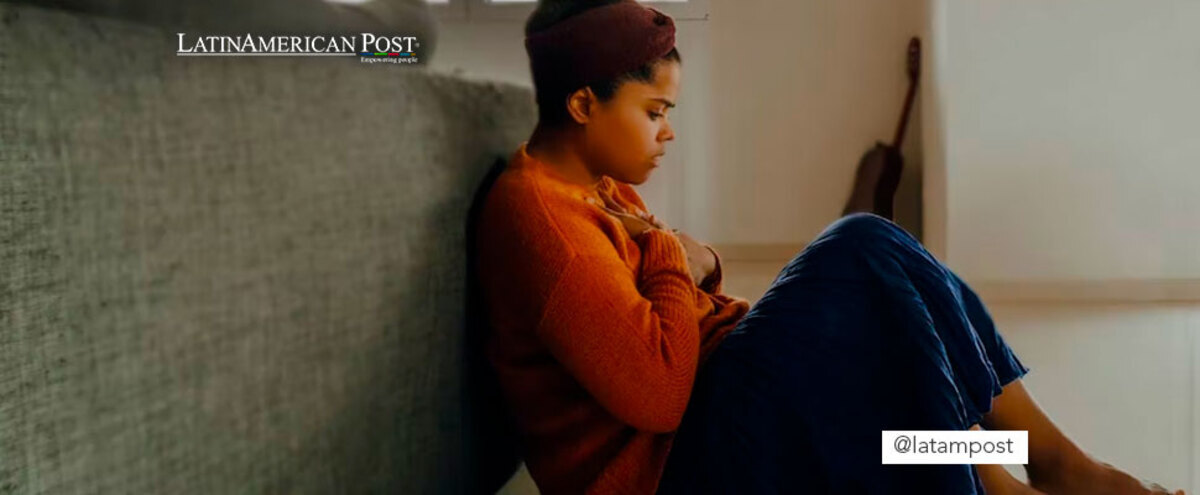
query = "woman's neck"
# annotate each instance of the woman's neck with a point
(554, 148)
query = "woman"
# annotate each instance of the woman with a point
(607, 323)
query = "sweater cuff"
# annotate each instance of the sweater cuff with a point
(662, 251)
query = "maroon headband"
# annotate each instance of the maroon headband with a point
(599, 44)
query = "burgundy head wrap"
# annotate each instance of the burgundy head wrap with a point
(599, 44)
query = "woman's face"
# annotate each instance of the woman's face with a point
(627, 135)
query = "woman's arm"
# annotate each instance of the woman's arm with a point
(631, 341)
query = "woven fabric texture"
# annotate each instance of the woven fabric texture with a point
(232, 275)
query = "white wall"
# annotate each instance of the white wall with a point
(1070, 138)
(1061, 163)
(799, 90)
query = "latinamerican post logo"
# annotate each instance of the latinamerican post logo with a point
(369, 47)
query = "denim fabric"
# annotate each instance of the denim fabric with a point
(862, 331)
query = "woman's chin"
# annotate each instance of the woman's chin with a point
(636, 178)
(643, 178)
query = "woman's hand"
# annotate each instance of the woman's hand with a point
(635, 225)
(701, 262)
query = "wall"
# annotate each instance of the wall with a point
(800, 91)
(1061, 181)
(1069, 138)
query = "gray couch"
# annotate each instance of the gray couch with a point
(237, 275)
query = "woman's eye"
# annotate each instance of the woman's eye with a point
(655, 115)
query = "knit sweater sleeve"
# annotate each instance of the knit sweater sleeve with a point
(631, 340)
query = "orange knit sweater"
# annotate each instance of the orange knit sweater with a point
(597, 336)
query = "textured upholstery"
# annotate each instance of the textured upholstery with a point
(233, 275)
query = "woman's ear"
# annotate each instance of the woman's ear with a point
(579, 104)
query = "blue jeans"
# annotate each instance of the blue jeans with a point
(863, 331)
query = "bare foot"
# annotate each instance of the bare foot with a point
(997, 481)
(1095, 478)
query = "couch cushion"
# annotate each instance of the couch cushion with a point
(232, 275)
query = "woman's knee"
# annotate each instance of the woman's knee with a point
(838, 251)
(858, 236)
(864, 227)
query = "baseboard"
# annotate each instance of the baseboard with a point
(1053, 290)
(1090, 291)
